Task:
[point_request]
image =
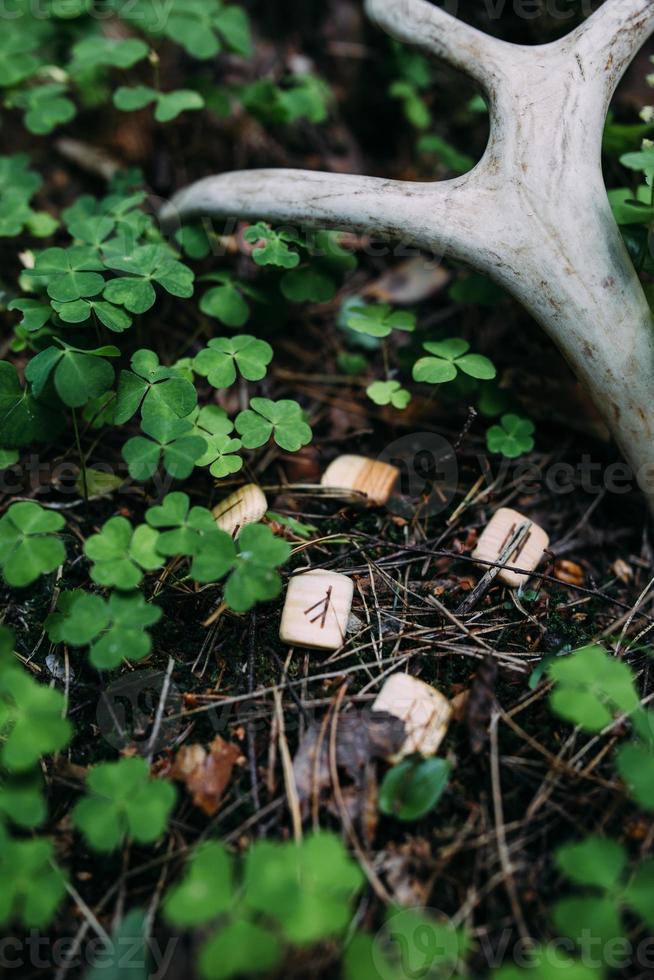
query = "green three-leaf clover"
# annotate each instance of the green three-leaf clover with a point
(114, 629)
(181, 526)
(31, 720)
(448, 357)
(223, 355)
(29, 545)
(171, 440)
(378, 320)
(512, 438)
(123, 801)
(282, 420)
(121, 555)
(150, 386)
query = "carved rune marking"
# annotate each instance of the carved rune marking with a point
(325, 604)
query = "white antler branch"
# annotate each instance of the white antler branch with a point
(423, 26)
(608, 41)
(533, 215)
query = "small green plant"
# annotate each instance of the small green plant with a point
(549, 962)
(29, 543)
(592, 688)
(32, 721)
(114, 629)
(287, 895)
(513, 437)
(170, 440)
(413, 787)
(121, 554)
(33, 884)
(149, 386)
(181, 526)
(389, 393)
(447, 358)
(251, 563)
(222, 356)
(378, 320)
(283, 420)
(123, 801)
(601, 864)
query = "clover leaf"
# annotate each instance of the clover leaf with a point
(513, 437)
(121, 554)
(413, 787)
(448, 357)
(29, 546)
(21, 799)
(79, 375)
(18, 184)
(601, 864)
(168, 105)
(223, 355)
(171, 440)
(307, 888)
(94, 52)
(388, 393)
(114, 629)
(200, 26)
(283, 420)
(211, 424)
(150, 386)
(81, 310)
(185, 525)
(641, 161)
(378, 320)
(46, 107)
(68, 274)
(123, 801)
(31, 720)
(17, 58)
(251, 561)
(35, 313)
(207, 890)
(635, 763)
(225, 302)
(297, 893)
(22, 418)
(549, 963)
(591, 686)
(272, 247)
(33, 886)
(145, 265)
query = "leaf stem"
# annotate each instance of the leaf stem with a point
(82, 460)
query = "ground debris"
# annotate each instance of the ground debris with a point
(206, 773)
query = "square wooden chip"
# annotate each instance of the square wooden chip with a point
(316, 610)
(369, 477)
(497, 536)
(248, 505)
(424, 710)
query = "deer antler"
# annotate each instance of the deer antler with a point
(533, 215)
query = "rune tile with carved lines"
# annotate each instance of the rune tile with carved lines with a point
(497, 535)
(247, 505)
(316, 610)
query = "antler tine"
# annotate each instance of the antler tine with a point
(610, 39)
(434, 31)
